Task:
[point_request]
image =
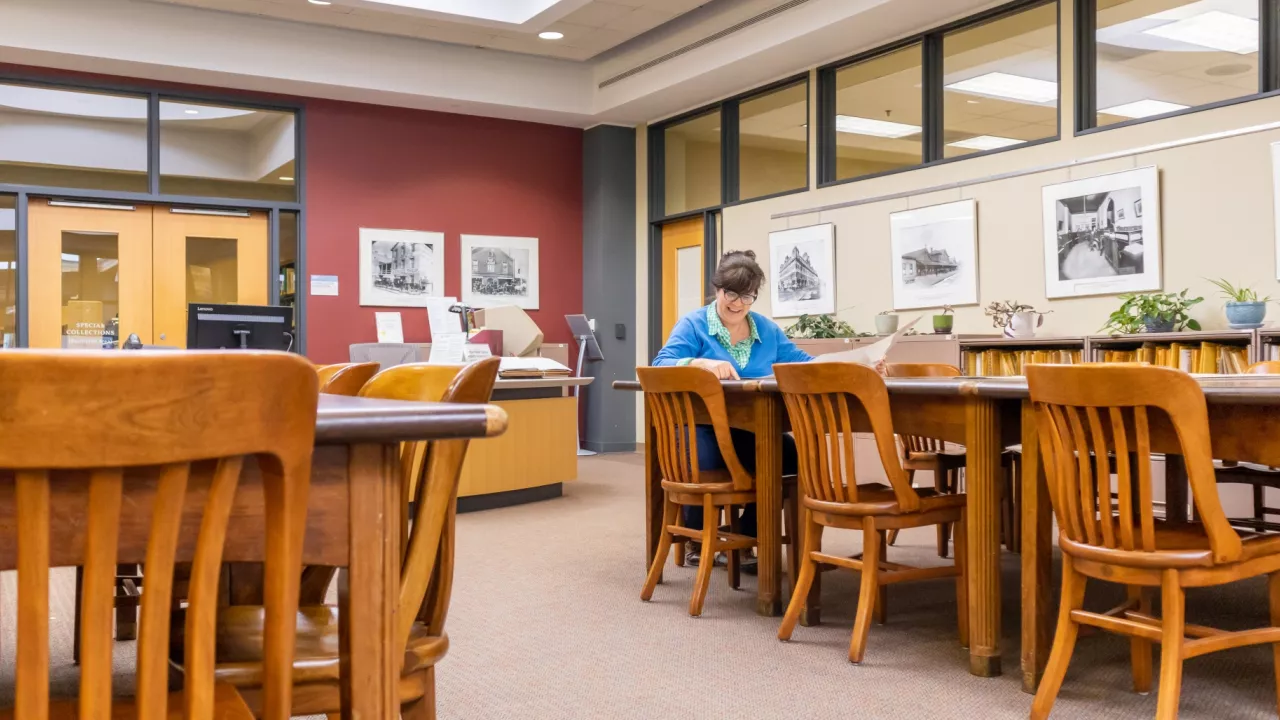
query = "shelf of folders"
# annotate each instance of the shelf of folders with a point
(1268, 345)
(1005, 357)
(288, 278)
(1219, 352)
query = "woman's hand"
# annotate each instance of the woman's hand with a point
(721, 369)
(882, 368)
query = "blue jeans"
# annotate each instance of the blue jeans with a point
(744, 444)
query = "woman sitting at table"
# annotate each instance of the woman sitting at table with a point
(728, 339)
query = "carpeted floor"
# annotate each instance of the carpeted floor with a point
(546, 623)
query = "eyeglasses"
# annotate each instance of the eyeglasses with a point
(731, 296)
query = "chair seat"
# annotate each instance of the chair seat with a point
(228, 705)
(1178, 545)
(879, 499)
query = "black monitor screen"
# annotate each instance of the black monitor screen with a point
(257, 327)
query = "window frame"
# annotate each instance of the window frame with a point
(933, 123)
(1085, 113)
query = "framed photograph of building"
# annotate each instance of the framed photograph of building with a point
(801, 273)
(1102, 234)
(400, 268)
(935, 255)
(500, 271)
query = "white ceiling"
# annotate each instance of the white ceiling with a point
(590, 27)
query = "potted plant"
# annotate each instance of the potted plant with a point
(820, 327)
(1245, 310)
(943, 322)
(886, 323)
(1014, 318)
(1153, 313)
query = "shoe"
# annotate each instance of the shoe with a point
(749, 564)
(694, 556)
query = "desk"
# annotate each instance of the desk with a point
(353, 521)
(537, 453)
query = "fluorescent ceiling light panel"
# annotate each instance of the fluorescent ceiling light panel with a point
(516, 12)
(1214, 29)
(986, 142)
(878, 128)
(1143, 108)
(1009, 87)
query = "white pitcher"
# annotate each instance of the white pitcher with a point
(1023, 324)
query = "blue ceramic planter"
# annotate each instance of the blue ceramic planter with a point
(1246, 315)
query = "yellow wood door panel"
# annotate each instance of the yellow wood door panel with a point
(74, 279)
(206, 258)
(677, 236)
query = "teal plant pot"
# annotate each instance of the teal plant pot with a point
(1246, 315)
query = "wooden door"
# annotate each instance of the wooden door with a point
(682, 271)
(90, 275)
(206, 258)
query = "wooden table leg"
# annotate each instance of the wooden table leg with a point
(982, 473)
(652, 493)
(369, 587)
(1175, 484)
(1037, 556)
(768, 424)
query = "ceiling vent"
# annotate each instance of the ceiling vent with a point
(704, 41)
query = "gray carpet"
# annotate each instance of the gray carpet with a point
(546, 623)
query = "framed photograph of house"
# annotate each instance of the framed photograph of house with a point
(1102, 234)
(935, 255)
(500, 271)
(801, 273)
(400, 268)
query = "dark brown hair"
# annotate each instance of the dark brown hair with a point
(738, 272)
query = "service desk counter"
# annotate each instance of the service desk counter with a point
(537, 453)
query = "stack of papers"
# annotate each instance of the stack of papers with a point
(531, 367)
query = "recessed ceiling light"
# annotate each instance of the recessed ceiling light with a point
(1213, 29)
(972, 102)
(192, 112)
(1143, 108)
(551, 35)
(1009, 87)
(986, 142)
(878, 128)
(286, 178)
(319, 2)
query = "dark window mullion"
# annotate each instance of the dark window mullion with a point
(1268, 45)
(729, 159)
(153, 143)
(826, 117)
(1086, 65)
(657, 172)
(931, 102)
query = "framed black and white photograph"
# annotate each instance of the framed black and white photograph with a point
(400, 268)
(801, 273)
(1099, 239)
(935, 255)
(500, 271)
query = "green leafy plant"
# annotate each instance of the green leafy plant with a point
(1238, 294)
(947, 310)
(820, 326)
(1138, 310)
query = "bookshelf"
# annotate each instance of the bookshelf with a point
(1005, 356)
(1267, 346)
(1207, 351)
(289, 287)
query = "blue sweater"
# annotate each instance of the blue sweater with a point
(691, 339)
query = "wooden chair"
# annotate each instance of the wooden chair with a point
(671, 394)
(822, 400)
(345, 378)
(426, 579)
(145, 434)
(1266, 367)
(1083, 414)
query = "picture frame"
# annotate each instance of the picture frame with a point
(801, 273)
(1102, 234)
(935, 255)
(500, 270)
(400, 268)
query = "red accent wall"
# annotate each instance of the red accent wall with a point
(382, 167)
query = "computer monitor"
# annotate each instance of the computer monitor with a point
(243, 327)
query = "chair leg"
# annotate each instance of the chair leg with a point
(1064, 641)
(867, 593)
(1173, 608)
(1273, 592)
(795, 536)
(735, 556)
(424, 708)
(882, 592)
(1258, 503)
(941, 482)
(669, 513)
(1140, 649)
(911, 480)
(75, 639)
(710, 531)
(962, 579)
(808, 568)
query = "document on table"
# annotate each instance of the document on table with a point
(870, 355)
(447, 348)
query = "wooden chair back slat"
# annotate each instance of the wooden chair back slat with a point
(435, 512)
(1079, 461)
(345, 378)
(166, 411)
(1124, 479)
(810, 391)
(916, 443)
(672, 395)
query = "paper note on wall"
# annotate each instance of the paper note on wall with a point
(324, 285)
(390, 328)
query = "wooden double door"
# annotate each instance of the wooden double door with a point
(99, 273)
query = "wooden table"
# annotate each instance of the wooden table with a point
(353, 522)
(985, 415)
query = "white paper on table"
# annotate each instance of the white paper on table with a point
(441, 320)
(390, 328)
(472, 352)
(447, 348)
(870, 355)
(531, 363)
